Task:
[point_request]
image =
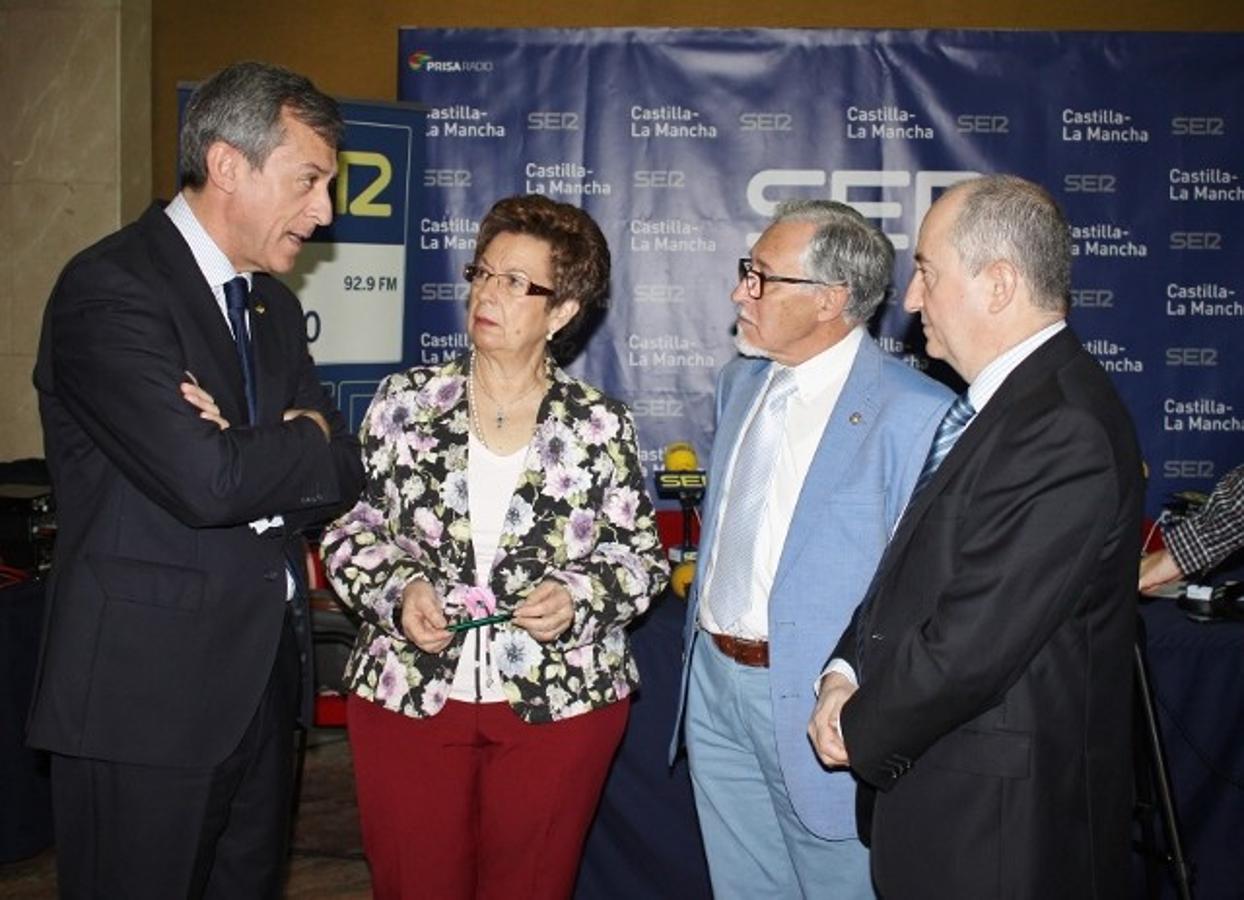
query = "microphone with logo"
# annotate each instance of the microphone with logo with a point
(682, 479)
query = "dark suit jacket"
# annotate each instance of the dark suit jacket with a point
(994, 652)
(164, 608)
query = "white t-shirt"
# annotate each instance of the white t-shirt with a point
(491, 480)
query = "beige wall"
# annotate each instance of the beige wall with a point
(75, 162)
(88, 98)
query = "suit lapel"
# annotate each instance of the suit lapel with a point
(844, 433)
(1022, 381)
(193, 295)
(268, 400)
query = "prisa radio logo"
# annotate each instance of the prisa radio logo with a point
(422, 61)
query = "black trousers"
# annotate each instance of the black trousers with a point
(135, 831)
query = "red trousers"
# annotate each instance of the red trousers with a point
(474, 802)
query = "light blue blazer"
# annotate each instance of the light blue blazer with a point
(865, 466)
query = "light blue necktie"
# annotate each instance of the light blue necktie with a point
(948, 431)
(235, 307)
(729, 590)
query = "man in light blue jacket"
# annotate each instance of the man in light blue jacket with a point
(820, 438)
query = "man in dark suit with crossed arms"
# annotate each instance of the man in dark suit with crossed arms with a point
(189, 440)
(991, 725)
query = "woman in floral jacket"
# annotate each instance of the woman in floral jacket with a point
(502, 543)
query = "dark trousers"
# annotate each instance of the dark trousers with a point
(135, 831)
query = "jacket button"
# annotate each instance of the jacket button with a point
(271, 576)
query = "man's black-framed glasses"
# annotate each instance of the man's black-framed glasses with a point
(515, 284)
(755, 280)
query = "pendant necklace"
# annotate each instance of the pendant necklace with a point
(500, 417)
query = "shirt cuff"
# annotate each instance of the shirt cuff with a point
(842, 667)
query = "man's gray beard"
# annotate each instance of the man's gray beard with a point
(746, 347)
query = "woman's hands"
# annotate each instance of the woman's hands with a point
(547, 611)
(423, 619)
(545, 614)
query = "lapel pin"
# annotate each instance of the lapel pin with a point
(260, 309)
(856, 418)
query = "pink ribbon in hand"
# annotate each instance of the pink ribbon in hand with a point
(478, 601)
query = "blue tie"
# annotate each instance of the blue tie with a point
(235, 306)
(948, 431)
(729, 589)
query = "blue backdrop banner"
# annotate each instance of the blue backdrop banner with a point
(681, 142)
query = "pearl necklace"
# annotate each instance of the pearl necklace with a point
(500, 416)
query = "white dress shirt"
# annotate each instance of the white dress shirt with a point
(818, 384)
(990, 378)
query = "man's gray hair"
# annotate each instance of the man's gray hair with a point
(1005, 217)
(242, 105)
(845, 248)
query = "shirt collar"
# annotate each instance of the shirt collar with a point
(211, 260)
(991, 377)
(814, 374)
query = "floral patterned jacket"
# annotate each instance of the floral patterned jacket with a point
(580, 515)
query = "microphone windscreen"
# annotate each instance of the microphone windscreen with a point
(680, 457)
(680, 578)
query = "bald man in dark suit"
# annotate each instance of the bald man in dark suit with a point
(991, 725)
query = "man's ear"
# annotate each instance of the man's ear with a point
(832, 302)
(225, 165)
(1003, 279)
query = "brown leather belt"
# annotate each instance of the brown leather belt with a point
(743, 652)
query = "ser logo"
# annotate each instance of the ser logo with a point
(444, 291)
(1093, 298)
(1200, 357)
(1089, 183)
(660, 293)
(673, 483)
(659, 178)
(658, 407)
(364, 202)
(766, 121)
(968, 123)
(1196, 240)
(768, 186)
(1198, 126)
(446, 178)
(552, 121)
(1188, 468)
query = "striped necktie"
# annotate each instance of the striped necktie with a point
(948, 431)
